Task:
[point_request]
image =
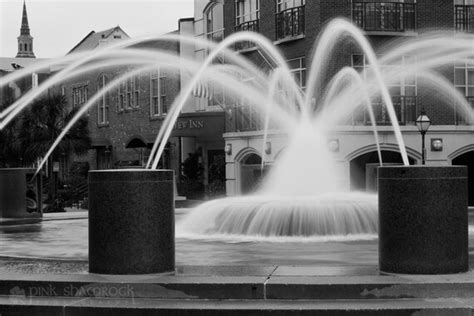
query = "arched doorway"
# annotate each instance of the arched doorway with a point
(250, 173)
(467, 159)
(359, 165)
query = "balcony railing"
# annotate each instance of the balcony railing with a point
(464, 18)
(250, 26)
(405, 109)
(290, 23)
(384, 16)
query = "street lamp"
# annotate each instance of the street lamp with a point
(423, 123)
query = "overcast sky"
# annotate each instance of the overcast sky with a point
(57, 26)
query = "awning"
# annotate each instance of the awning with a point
(100, 142)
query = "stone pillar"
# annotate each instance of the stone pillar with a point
(131, 221)
(423, 220)
(19, 197)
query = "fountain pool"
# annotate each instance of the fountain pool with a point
(67, 240)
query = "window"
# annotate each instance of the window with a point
(79, 95)
(136, 91)
(403, 92)
(215, 22)
(464, 15)
(298, 69)
(247, 16)
(464, 82)
(103, 105)
(128, 94)
(387, 16)
(246, 11)
(289, 18)
(121, 97)
(247, 117)
(158, 101)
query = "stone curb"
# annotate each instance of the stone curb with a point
(138, 306)
(262, 287)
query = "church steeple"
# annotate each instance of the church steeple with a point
(25, 40)
(25, 28)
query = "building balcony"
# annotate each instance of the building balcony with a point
(384, 16)
(249, 26)
(405, 109)
(464, 18)
(290, 23)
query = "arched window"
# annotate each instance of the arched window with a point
(214, 15)
(103, 104)
(26, 47)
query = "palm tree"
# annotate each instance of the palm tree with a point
(42, 123)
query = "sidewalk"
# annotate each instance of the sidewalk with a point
(71, 213)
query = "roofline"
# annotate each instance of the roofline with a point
(82, 41)
(93, 32)
(118, 26)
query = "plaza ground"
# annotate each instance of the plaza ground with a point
(64, 287)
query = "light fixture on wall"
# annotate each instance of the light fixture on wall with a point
(436, 144)
(268, 148)
(333, 145)
(228, 149)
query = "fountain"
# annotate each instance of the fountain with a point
(302, 196)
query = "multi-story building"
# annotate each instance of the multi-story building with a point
(293, 27)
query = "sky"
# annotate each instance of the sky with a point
(57, 26)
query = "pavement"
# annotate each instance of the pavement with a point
(55, 287)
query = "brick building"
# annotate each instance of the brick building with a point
(125, 122)
(293, 27)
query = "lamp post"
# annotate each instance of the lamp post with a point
(423, 123)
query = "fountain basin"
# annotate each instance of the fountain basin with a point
(324, 215)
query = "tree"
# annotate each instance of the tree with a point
(42, 123)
